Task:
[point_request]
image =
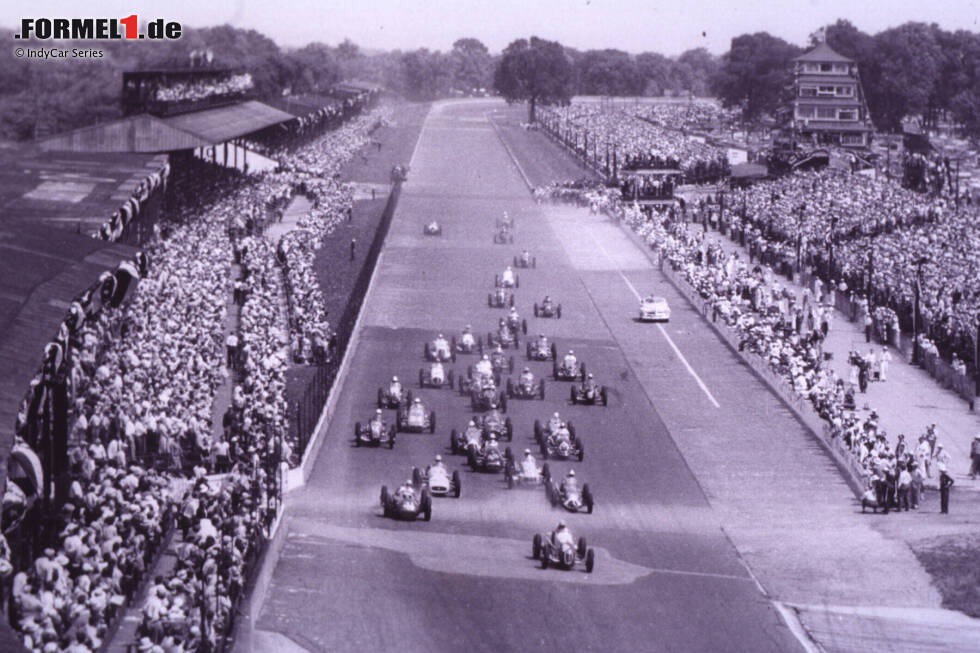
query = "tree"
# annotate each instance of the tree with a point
(696, 69)
(426, 74)
(908, 61)
(609, 72)
(471, 64)
(656, 71)
(535, 71)
(755, 73)
(314, 68)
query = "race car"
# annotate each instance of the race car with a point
(493, 423)
(525, 260)
(560, 443)
(432, 229)
(500, 298)
(554, 551)
(569, 368)
(528, 474)
(488, 457)
(436, 376)
(467, 343)
(547, 308)
(542, 432)
(474, 380)
(503, 235)
(505, 337)
(539, 349)
(375, 433)
(408, 502)
(654, 309)
(471, 436)
(505, 221)
(515, 323)
(440, 350)
(570, 496)
(394, 396)
(589, 393)
(500, 363)
(487, 398)
(507, 280)
(522, 390)
(438, 480)
(415, 419)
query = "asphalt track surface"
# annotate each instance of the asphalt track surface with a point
(666, 577)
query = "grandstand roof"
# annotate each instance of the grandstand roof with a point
(68, 190)
(823, 53)
(41, 271)
(146, 133)
(224, 123)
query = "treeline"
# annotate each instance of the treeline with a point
(915, 69)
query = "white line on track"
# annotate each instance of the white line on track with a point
(663, 331)
(517, 164)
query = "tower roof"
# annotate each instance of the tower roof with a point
(823, 53)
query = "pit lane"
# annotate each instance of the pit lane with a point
(350, 580)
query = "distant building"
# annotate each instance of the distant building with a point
(828, 105)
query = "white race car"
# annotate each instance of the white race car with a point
(439, 481)
(654, 309)
(518, 474)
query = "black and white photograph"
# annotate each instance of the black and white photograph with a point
(502, 327)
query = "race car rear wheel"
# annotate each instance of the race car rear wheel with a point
(503, 402)
(357, 434)
(450, 378)
(536, 546)
(524, 327)
(587, 498)
(510, 388)
(384, 497)
(558, 312)
(509, 430)
(425, 505)
(582, 366)
(604, 396)
(509, 474)
(574, 398)
(391, 437)
(545, 554)
(541, 389)
(581, 451)
(535, 309)
(421, 378)
(452, 442)
(457, 484)
(589, 561)
(432, 421)
(381, 398)
(546, 472)
(537, 431)
(582, 547)
(571, 429)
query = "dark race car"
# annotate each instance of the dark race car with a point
(471, 436)
(415, 419)
(503, 235)
(374, 434)
(500, 298)
(547, 308)
(515, 323)
(432, 229)
(487, 398)
(539, 349)
(589, 393)
(407, 503)
(489, 457)
(523, 390)
(394, 396)
(544, 431)
(435, 376)
(567, 370)
(495, 424)
(552, 551)
(525, 260)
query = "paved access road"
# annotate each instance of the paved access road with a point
(666, 578)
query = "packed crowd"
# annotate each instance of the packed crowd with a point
(641, 144)
(144, 379)
(203, 89)
(687, 116)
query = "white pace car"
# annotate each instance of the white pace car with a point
(654, 309)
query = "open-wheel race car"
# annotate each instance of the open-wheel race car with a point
(440, 350)
(525, 260)
(507, 280)
(471, 436)
(432, 228)
(375, 433)
(500, 298)
(505, 337)
(527, 473)
(515, 323)
(547, 308)
(494, 423)
(436, 376)
(415, 418)
(525, 389)
(438, 480)
(590, 393)
(503, 235)
(488, 457)
(540, 349)
(408, 502)
(486, 397)
(505, 221)
(467, 343)
(551, 427)
(476, 378)
(558, 440)
(559, 550)
(569, 495)
(395, 395)
(568, 368)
